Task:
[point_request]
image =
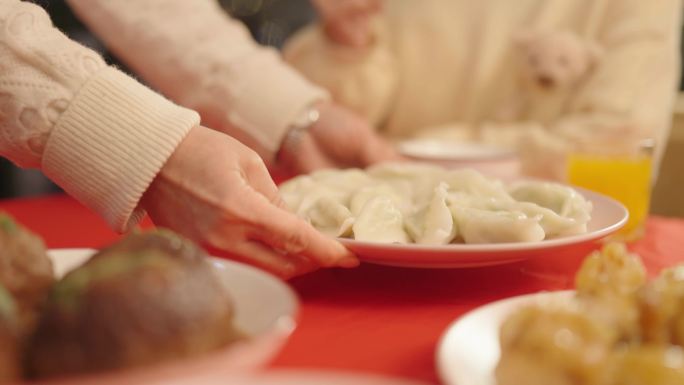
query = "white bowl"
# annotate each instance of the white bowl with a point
(487, 159)
(265, 310)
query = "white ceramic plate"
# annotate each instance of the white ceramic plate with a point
(265, 309)
(608, 216)
(440, 149)
(296, 377)
(468, 351)
(488, 159)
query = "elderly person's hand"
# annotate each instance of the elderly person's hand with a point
(218, 192)
(348, 22)
(339, 139)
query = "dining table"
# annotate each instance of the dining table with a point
(371, 319)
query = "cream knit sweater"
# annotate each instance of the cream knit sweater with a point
(101, 135)
(199, 57)
(453, 62)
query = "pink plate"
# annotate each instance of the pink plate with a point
(608, 216)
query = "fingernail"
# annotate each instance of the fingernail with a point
(349, 262)
(288, 271)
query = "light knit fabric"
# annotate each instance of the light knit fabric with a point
(199, 57)
(438, 63)
(98, 133)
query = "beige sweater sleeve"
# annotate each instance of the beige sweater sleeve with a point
(363, 79)
(194, 53)
(96, 132)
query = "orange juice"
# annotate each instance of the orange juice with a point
(626, 178)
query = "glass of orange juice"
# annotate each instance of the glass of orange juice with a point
(620, 169)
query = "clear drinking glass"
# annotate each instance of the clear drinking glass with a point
(620, 168)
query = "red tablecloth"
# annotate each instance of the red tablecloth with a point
(372, 318)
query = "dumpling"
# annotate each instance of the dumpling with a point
(472, 182)
(294, 191)
(554, 225)
(485, 226)
(434, 205)
(322, 206)
(324, 209)
(381, 221)
(434, 225)
(415, 180)
(296, 184)
(406, 170)
(562, 200)
(304, 190)
(362, 196)
(482, 219)
(477, 201)
(343, 181)
(329, 216)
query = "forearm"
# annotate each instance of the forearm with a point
(199, 57)
(96, 132)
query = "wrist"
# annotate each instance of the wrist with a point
(169, 172)
(299, 128)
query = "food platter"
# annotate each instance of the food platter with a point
(608, 216)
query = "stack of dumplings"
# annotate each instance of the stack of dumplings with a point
(426, 204)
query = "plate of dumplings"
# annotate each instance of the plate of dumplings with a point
(422, 215)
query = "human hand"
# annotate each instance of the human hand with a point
(339, 139)
(348, 22)
(218, 193)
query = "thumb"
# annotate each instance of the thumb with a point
(310, 157)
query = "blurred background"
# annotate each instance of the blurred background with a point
(271, 22)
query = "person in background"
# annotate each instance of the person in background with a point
(122, 149)
(547, 74)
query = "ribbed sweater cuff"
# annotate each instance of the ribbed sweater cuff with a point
(107, 147)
